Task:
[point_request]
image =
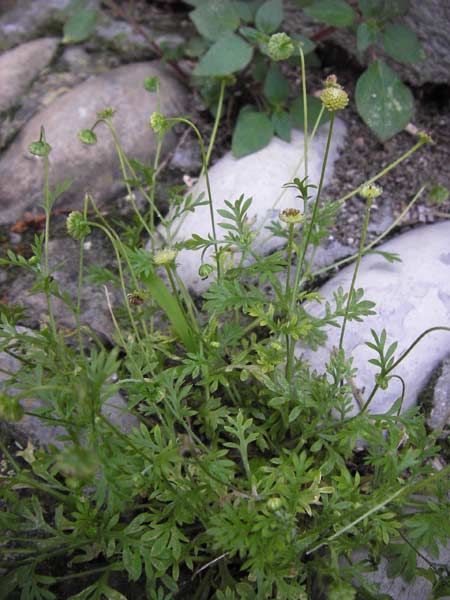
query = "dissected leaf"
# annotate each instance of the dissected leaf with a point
(79, 26)
(214, 18)
(402, 44)
(229, 54)
(276, 86)
(332, 12)
(384, 103)
(253, 131)
(269, 16)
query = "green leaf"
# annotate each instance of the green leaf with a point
(402, 44)
(314, 106)
(383, 9)
(227, 55)
(79, 26)
(244, 10)
(269, 16)
(332, 12)
(282, 125)
(307, 45)
(384, 103)
(253, 131)
(276, 86)
(214, 18)
(366, 35)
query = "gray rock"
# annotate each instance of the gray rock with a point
(93, 168)
(440, 412)
(23, 20)
(20, 66)
(429, 20)
(411, 296)
(261, 176)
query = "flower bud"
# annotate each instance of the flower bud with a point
(41, 147)
(151, 84)
(159, 123)
(274, 503)
(106, 113)
(76, 225)
(205, 270)
(334, 98)
(87, 136)
(165, 256)
(280, 47)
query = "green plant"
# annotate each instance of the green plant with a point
(384, 103)
(243, 478)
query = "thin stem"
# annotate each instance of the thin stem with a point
(386, 170)
(355, 272)
(216, 122)
(305, 109)
(48, 294)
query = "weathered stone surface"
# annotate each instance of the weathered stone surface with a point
(440, 413)
(93, 168)
(23, 20)
(429, 20)
(20, 66)
(411, 296)
(261, 176)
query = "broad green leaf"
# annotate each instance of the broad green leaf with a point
(314, 106)
(229, 54)
(269, 16)
(307, 44)
(276, 86)
(366, 35)
(384, 103)
(402, 44)
(79, 26)
(253, 131)
(214, 18)
(244, 10)
(196, 46)
(282, 124)
(259, 68)
(332, 12)
(383, 9)
(253, 35)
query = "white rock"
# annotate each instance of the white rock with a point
(261, 176)
(411, 296)
(19, 67)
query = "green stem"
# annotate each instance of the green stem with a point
(355, 272)
(48, 295)
(305, 109)
(386, 170)
(216, 122)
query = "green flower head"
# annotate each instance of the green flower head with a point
(77, 227)
(280, 46)
(159, 123)
(165, 256)
(369, 191)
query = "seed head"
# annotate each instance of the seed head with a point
(76, 225)
(280, 47)
(106, 113)
(165, 256)
(87, 136)
(334, 98)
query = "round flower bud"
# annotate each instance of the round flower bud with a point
(39, 148)
(87, 136)
(205, 270)
(280, 46)
(159, 123)
(369, 191)
(165, 256)
(291, 216)
(334, 98)
(151, 84)
(274, 503)
(77, 226)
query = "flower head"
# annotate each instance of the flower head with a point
(280, 46)
(40, 147)
(87, 136)
(165, 256)
(333, 96)
(159, 123)
(291, 216)
(76, 225)
(106, 113)
(369, 191)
